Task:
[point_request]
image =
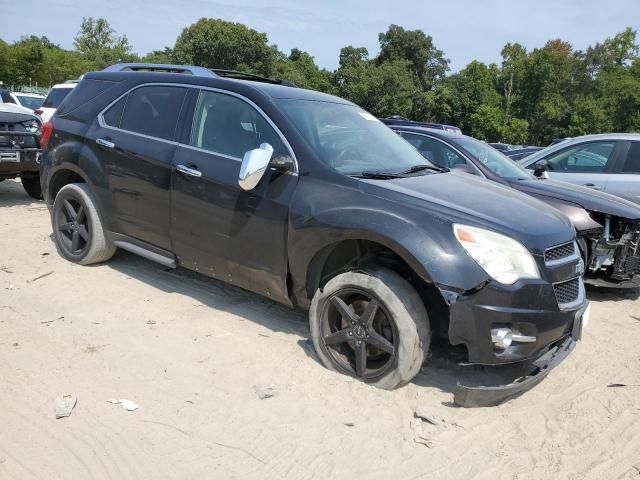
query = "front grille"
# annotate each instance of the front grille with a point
(561, 251)
(567, 292)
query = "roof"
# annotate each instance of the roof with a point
(271, 90)
(434, 131)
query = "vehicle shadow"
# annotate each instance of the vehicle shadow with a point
(608, 294)
(12, 194)
(441, 370)
(213, 293)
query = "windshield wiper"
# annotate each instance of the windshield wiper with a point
(378, 175)
(423, 166)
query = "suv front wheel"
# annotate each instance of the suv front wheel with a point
(372, 325)
(77, 228)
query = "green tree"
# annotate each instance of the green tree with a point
(215, 43)
(426, 61)
(300, 68)
(100, 44)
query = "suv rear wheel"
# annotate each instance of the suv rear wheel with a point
(77, 227)
(31, 185)
(372, 325)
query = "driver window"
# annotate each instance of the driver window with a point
(229, 126)
(587, 158)
(434, 150)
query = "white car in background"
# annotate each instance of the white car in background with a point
(31, 101)
(54, 98)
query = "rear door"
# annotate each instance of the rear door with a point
(217, 228)
(135, 141)
(588, 164)
(624, 181)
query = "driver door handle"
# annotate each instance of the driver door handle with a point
(592, 185)
(194, 172)
(105, 143)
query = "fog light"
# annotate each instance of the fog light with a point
(501, 337)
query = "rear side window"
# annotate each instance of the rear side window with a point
(434, 150)
(153, 111)
(82, 94)
(55, 97)
(227, 125)
(113, 116)
(632, 164)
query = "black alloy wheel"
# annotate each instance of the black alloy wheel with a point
(73, 227)
(359, 334)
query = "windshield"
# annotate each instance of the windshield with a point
(55, 97)
(493, 159)
(349, 139)
(30, 101)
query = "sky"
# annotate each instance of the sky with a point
(465, 30)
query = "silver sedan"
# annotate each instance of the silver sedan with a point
(607, 162)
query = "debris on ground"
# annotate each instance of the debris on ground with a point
(10, 287)
(40, 275)
(349, 424)
(129, 405)
(614, 385)
(425, 416)
(64, 404)
(419, 435)
(51, 321)
(265, 391)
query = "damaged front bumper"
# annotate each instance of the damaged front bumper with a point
(542, 332)
(489, 396)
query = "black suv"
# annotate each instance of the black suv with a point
(311, 201)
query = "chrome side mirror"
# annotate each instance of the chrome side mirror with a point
(254, 163)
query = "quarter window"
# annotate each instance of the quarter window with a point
(227, 125)
(113, 116)
(153, 111)
(632, 165)
(586, 158)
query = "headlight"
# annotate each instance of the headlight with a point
(31, 126)
(501, 257)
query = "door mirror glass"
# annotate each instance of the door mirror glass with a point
(540, 169)
(254, 164)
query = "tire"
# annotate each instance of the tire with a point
(74, 219)
(400, 318)
(31, 185)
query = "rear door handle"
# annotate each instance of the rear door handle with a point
(592, 185)
(194, 172)
(105, 143)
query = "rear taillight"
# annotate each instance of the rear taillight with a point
(38, 111)
(47, 130)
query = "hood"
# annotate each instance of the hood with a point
(12, 113)
(585, 197)
(467, 199)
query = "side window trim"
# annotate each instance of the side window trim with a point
(181, 143)
(469, 162)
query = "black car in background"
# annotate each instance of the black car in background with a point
(608, 227)
(311, 201)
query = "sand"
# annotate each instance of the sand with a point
(196, 356)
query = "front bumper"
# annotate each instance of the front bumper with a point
(489, 396)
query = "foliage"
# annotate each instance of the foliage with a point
(529, 97)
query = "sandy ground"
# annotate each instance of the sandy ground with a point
(191, 352)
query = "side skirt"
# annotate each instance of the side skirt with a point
(146, 250)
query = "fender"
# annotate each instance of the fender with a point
(425, 243)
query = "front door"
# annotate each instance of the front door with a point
(219, 229)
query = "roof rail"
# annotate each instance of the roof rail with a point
(161, 67)
(250, 76)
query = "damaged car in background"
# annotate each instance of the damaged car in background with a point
(607, 226)
(20, 134)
